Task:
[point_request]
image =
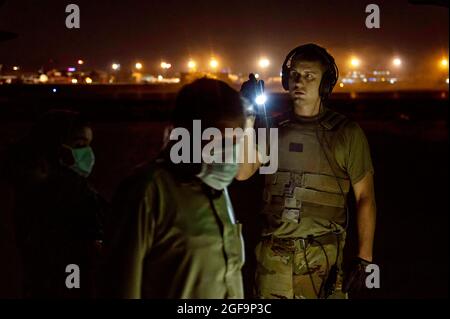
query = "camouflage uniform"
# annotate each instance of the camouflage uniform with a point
(305, 206)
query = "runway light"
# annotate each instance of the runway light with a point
(80, 62)
(264, 63)
(261, 99)
(397, 62)
(74, 81)
(115, 66)
(191, 64)
(88, 80)
(355, 62)
(213, 63)
(138, 66)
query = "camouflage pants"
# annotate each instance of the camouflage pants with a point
(282, 271)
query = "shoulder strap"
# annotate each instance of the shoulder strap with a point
(333, 120)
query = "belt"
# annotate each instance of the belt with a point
(327, 239)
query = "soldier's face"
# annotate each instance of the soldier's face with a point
(304, 82)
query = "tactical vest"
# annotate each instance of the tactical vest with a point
(307, 195)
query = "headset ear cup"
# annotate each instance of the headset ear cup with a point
(285, 78)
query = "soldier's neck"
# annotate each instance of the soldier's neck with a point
(308, 110)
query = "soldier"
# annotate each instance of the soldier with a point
(173, 233)
(321, 155)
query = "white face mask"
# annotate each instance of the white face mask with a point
(218, 174)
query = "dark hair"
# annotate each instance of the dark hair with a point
(208, 100)
(43, 142)
(313, 53)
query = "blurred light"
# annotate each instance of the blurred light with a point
(392, 81)
(115, 66)
(261, 99)
(444, 62)
(341, 85)
(160, 77)
(16, 68)
(54, 90)
(264, 63)
(355, 62)
(256, 76)
(165, 65)
(138, 66)
(365, 80)
(88, 80)
(74, 81)
(71, 69)
(191, 64)
(80, 62)
(397, 62)
(43, 78)
(446, 80)
(213, 63)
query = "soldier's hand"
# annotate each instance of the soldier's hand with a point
(355, 279)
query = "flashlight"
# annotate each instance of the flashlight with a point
(261, 99)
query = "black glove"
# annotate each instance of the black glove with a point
(355, 279)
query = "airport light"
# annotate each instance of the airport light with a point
(355, 62)
(397, 62)
(213, 63)
(192, 64)
(264, 63)
(165, 65)
(43, 78)
(115, 66)
(138, 66)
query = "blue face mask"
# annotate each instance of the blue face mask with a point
(216, 174)
(84, 160)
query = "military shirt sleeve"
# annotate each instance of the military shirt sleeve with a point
(130, 234)
(353, 153)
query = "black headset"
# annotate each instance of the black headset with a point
(329, 77)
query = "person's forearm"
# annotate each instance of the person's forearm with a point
(366, 220)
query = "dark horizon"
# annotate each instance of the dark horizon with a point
(235, 32)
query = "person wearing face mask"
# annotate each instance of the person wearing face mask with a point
(58, 215)
(172, 232)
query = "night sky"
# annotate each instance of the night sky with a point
(237, 32)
